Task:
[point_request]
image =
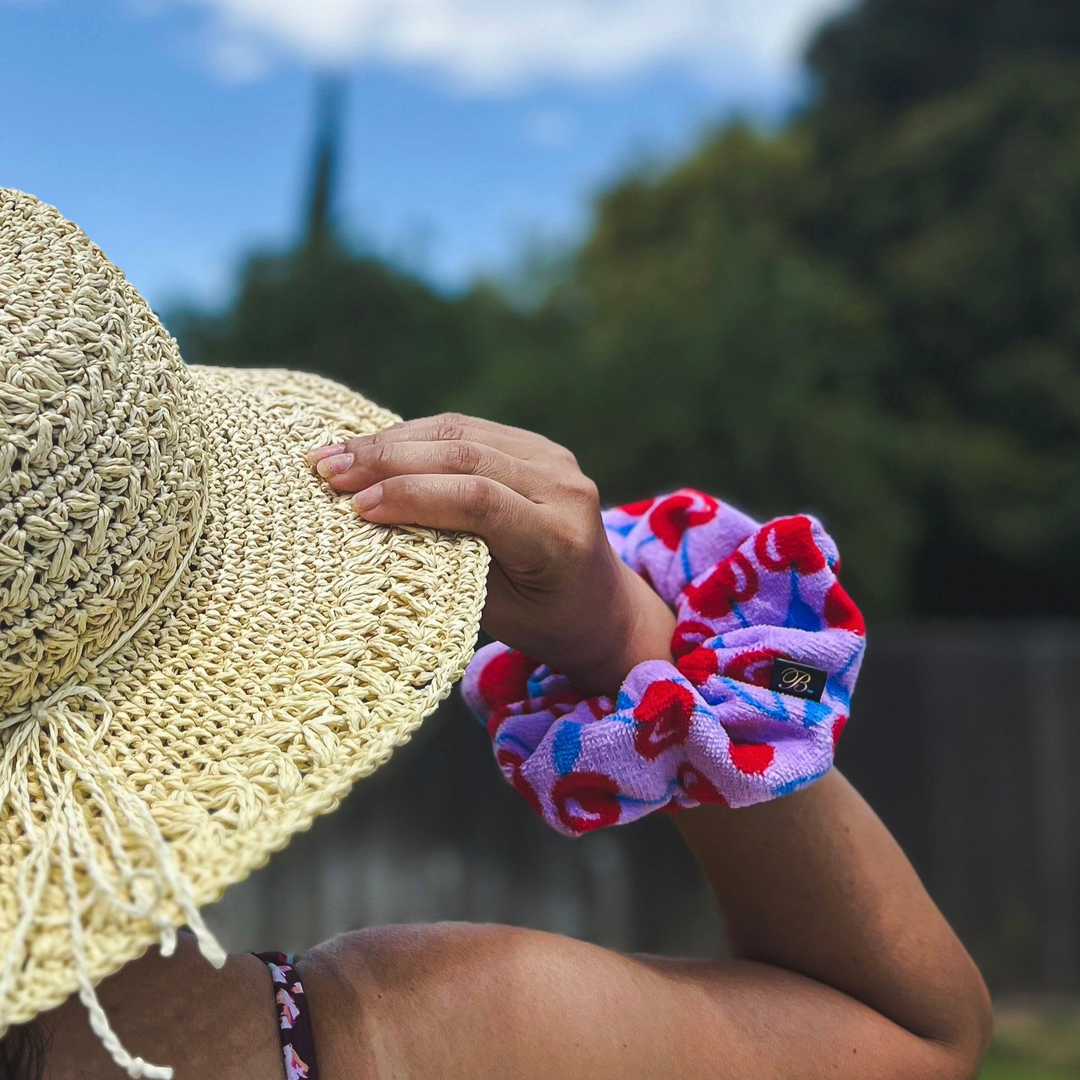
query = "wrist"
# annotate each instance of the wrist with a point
(641, 627)
(608, 729)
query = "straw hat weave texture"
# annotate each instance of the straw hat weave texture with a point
(202, 647)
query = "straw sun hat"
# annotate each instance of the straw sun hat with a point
(202, 647)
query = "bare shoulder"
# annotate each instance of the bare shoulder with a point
(455, 1000)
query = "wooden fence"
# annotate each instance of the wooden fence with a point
(963, 737)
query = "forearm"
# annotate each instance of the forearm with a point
(814, 883)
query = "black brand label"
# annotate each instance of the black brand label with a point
(798, 680)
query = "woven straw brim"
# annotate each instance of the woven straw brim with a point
(300, 647)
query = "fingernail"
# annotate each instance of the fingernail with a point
(331, 466)
(320, 452)
(368, 498)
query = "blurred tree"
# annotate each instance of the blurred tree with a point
(323, 308)
(947, 143)
(870, 314)
(882, 56)
(353, 319)
(709, 346)
(321, 208)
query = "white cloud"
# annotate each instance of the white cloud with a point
(499, 44)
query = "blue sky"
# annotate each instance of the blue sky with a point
(177, 132)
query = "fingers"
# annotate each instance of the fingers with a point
(455, 427)
(457, 503)
(361, 464)
(452, 427)
(459, 473)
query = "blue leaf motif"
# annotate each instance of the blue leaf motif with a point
(566, 747)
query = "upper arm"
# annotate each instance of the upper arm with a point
(459, 1001)
(176, 1011)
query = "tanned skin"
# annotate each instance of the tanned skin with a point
(840, 965)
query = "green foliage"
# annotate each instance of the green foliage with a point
(353, 319)
(871, 314)
(961, 214)
(711, 348)
(882, 56)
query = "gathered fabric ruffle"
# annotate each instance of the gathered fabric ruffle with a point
(706, 728)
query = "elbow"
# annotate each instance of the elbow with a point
(974, 1029)
(982, 1027)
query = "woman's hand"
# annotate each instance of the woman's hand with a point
(556, 590)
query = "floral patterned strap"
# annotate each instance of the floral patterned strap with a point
(294, 1017)
(708, 728)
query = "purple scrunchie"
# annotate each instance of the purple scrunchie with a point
(706, 729)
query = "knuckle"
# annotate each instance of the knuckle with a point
(562, 454)
(379, 455)
(585, 490)
(572, 539)
(380, 436)
(450, 426)
(464, 457)
(368, 447)
(447, 432)
(480, 501)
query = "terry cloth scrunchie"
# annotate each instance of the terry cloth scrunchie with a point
(706, 729)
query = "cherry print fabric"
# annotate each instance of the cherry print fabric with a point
(706, 729)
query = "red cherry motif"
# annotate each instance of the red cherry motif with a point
(636, 509)
(509, 759)
(688, 636)
(698, 787)
(752, 758)
(792, 540)
(663, 718)
(841, 611)
(586, 800)
(504, 679)
(674, 515)
(698, 666)
(837, 730)
(753, 666)
(734, 581)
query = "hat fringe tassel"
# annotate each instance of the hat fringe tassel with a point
(58, 747)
